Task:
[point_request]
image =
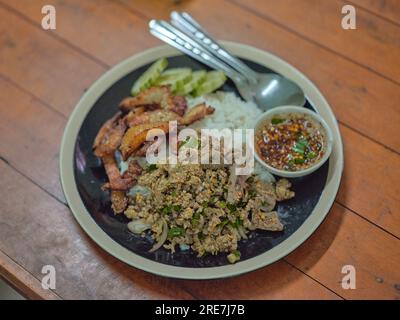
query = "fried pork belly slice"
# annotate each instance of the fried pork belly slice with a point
(196, 113)
(160, 96)
(153, 116)
(266, 221)
(154, 98)
(119, 201)
(134, 170)
(141, 152)
(109, 136)
(115, 180)
(179, 105)
(133, 114)
(136, 135)
(282, 190)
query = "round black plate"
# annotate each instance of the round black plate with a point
(90, 175)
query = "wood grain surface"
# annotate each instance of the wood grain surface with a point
(44, 73)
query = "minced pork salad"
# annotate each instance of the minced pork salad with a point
(206, 207)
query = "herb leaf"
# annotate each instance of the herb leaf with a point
(176, 232)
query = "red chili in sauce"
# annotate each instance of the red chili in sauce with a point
(290, 142)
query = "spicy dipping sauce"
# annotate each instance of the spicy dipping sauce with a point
(290, 141)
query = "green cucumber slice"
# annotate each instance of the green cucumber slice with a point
(149, 77)
(197, 78)
(176, 78)
(213, 80)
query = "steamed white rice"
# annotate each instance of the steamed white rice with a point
(230, 112)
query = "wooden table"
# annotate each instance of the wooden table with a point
(44, 73)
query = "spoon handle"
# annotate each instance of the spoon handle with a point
(167, 33)
(185, 22)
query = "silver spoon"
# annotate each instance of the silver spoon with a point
(269, 89)
(266, 90)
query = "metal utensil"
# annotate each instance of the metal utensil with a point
(167, 33)
(266, 90)
(269, 89)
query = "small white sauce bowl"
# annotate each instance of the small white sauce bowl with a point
(282, 110)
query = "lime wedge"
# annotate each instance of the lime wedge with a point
(149, 77)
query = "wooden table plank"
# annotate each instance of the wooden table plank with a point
(370, 184)
(353, 92)
(40, 115)
(375, 43)
(346, 239)
(342, 239)
(90, 26)
(39, 66)
(23, 281)
(31, 136)
(357, 192)
(38, 230)
(389, 9)
(377, 205)
(273, 282)
(358, 97)
(42, 112)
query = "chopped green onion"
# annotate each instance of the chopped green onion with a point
(177, 207)
(166, 210)
(311, 155)
(276, 121)
(176, 232)
(298, 150)
(237, 223)
(236, 253)
(302, 142)
(233, 256)
(250, 179)
(300, 146)
(224, 223)
(222, 204)
(151, 167)
(205, 204)
(231, 207)
(252, 193)
(299, 160)
(196, 218)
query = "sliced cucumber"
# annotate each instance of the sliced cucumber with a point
(176, 78)
(149, 77)
(213, 80)
(197, 78)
